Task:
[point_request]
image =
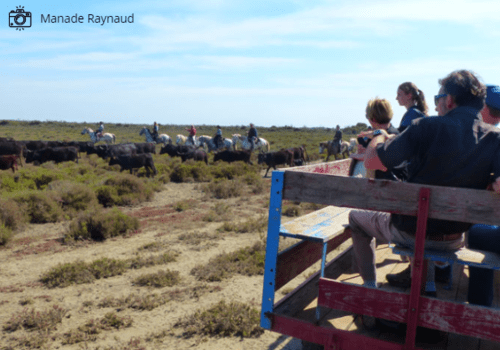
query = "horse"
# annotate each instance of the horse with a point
(181, 139)
(209, 142)
(245, 144)
(162, 138)
(106, 137)
(333, 149)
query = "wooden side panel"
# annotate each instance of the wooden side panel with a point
(330, 337)
(338, 167)
(299, 257)
(448, 203)
(465, 319)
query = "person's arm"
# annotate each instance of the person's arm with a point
(372, 161)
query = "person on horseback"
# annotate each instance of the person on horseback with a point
(100, 129)
(252, 136)
(337, 139)
(155, 131)
(192, 133)
(218, 137)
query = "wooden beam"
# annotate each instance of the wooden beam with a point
(332, 338)
(299, 257)
(446, 316)
(447, 203)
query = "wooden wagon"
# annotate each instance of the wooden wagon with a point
(325, 308)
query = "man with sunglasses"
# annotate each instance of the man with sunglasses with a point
(457, 150)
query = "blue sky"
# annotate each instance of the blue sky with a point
(301, 63)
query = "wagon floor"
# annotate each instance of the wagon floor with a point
(387, 262)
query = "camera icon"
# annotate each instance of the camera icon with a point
(19, 18)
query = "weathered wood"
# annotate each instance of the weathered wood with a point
(447, 203)
(464, 256)
(319, 226)
(433, 313)
(303, 295)
(331, 337)
(339, 167)
(299, 257)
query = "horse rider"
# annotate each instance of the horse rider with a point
(337, 139)
(100, 129)
(155, 131)
(192, 133)
(252, 136)
(218, 137)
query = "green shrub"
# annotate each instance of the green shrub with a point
(247, 261)
(64, 275)
(74, 197)
(41, 207)
(124, 189)
(223, 320)
(11, 214)
(80, 272)
(190, 170)
(36, 320)
(224, 189)
(159, 279)
(251, 225)
(101, 225)
(5, 234)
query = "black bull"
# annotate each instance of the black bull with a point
(276, 158)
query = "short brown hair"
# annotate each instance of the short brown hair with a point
(379, 110)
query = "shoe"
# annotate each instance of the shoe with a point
(402, 279)
(443, 274)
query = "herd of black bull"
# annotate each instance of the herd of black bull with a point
(131, 156)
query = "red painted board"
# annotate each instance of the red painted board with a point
(447, 316)
(344, 340)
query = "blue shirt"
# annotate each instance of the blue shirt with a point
(411, 114)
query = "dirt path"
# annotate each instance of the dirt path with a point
(38, 248)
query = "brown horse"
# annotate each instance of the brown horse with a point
(333, 149)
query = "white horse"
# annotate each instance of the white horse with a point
(106, 137)
(209, 142)
(181, 139)
(162, 138)
(245, 144)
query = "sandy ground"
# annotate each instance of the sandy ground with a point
(38, 248)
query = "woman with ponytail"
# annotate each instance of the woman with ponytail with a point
(413, 99)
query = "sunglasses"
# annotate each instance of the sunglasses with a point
(437, 97)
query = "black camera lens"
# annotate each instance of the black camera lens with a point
(20, 20)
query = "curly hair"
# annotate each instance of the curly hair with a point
(379, 110)
(465, 88)
(416, 95)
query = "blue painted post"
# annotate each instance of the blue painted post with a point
(272, 245)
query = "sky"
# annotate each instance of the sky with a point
(272, 63)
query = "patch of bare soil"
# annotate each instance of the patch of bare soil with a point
(39, 248)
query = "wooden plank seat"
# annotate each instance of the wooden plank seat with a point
(463, 256)
(422, 201)
(321, 227)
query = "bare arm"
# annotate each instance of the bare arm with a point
(372, 161)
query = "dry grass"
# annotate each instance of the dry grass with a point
(223, 320)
